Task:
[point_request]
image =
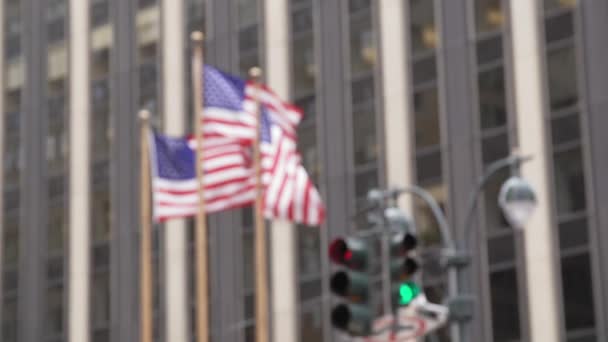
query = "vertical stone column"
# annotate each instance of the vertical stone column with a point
(174, 118)
(396, 98)
(80, 176)
(284, 283)
(541, 270)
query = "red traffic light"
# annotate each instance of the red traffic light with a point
(339, 252)
(349, 252)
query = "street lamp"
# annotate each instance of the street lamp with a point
(517, 201)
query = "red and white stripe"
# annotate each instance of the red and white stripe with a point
(229, 175)
(229, 183)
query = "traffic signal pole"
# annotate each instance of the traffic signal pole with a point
(386, 271)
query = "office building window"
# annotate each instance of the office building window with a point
(248, 35)
(424, 40)
(57, 157)
(304, 73)
(362, 80)
(14, 77)
(100, 55)
(494, 135)
(564, 71)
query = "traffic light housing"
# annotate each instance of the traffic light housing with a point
(352, 284)
(404, 266)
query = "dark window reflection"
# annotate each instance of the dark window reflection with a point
(304, 66)
(495, 148)
(364, 137)
(426, 111)
(423, 32)
(565, 129)
(492, 102)
(309, 247)
(551, 5)
(424, 70)
(489, 50)
(501, 249)
(489, 15)
(569, 181)
(311, 324)
(573, 233)
(428, 166)
(426, 224)
(578, 292)
(362, 44)
(9, 320)
(563, 90)
(505, 305)
(559, 27)
(364, 181)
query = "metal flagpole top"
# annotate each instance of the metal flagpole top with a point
(144, 115)
(255, 73)
(197, 36)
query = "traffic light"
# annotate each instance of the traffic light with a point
(352, 284)
(403, 268)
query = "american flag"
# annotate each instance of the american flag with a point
(229, 123)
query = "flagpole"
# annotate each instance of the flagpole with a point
(261, 262)
(202, 270)
(146, 232)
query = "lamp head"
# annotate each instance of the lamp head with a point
(517, 201)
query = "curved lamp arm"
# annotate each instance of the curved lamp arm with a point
(513, 161)
(446, 234)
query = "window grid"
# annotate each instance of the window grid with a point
(563, 124)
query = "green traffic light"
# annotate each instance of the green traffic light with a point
(407, 292)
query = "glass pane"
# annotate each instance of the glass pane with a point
(309, 247)
(569, 181)
(9, 320)
(364, 137)
(565, 129)
(310, 289)
(489, 16)
(248, 257)
(578, 292)
(489, 50)
(248, 12)
(428, 166)
(505, 305)
(14, 70)
(423, 31)
(559, 4)
(304, 66)
(494, 148)
(100, 300)
(362, 44)
(357, 5)
(363, 91)
(301, 21)
(559, 27)
(492, 101)
(424, 70)
(426, 223)
(365, 181)
(563, 90)
(426, 109)
(55, 311)
(311, 324)
(573, 233)
(501, 249)
(308, 149)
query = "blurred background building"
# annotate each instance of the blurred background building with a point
(395, 92)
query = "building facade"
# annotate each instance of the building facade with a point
(395, 92)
